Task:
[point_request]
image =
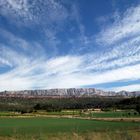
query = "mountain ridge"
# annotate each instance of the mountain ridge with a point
(67, 92)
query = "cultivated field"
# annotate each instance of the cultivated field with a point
(42, 128)
(69, 119)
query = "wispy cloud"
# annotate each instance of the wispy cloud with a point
(33, 11)
(124, 27)
(31, 67)
(62, 71)
(133, 87)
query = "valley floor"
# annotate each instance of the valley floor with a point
(43, 126)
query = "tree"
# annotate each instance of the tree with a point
(138, 108)
(37, 107)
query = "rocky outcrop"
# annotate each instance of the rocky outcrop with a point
(71, 92)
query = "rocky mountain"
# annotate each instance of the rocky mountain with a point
(71, 92)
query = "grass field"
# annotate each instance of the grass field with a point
(43, 128)
(112, 114)
(31, 126)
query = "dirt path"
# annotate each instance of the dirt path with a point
(76, 117)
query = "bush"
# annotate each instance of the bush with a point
(135, 113)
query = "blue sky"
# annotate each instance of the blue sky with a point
(70, 43)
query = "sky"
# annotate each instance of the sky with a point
(70, 44)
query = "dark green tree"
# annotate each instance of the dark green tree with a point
(138, 108)
(37, 107)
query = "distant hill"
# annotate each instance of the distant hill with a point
(71, 92)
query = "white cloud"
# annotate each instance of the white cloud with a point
(4, 62)
(61, 72)
(128, 25)
(15, 8)
(39, 71)
(30, 68)
(124, 54)
(133, 87)
(33, 11)
(14, 40)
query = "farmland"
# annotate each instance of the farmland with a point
(41, 128)
(75, 113)
(74, 118)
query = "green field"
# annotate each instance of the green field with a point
(41, 128)
(40, 125)
(69, 119)
(112, 114)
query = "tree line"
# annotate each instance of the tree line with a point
(24, 105)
